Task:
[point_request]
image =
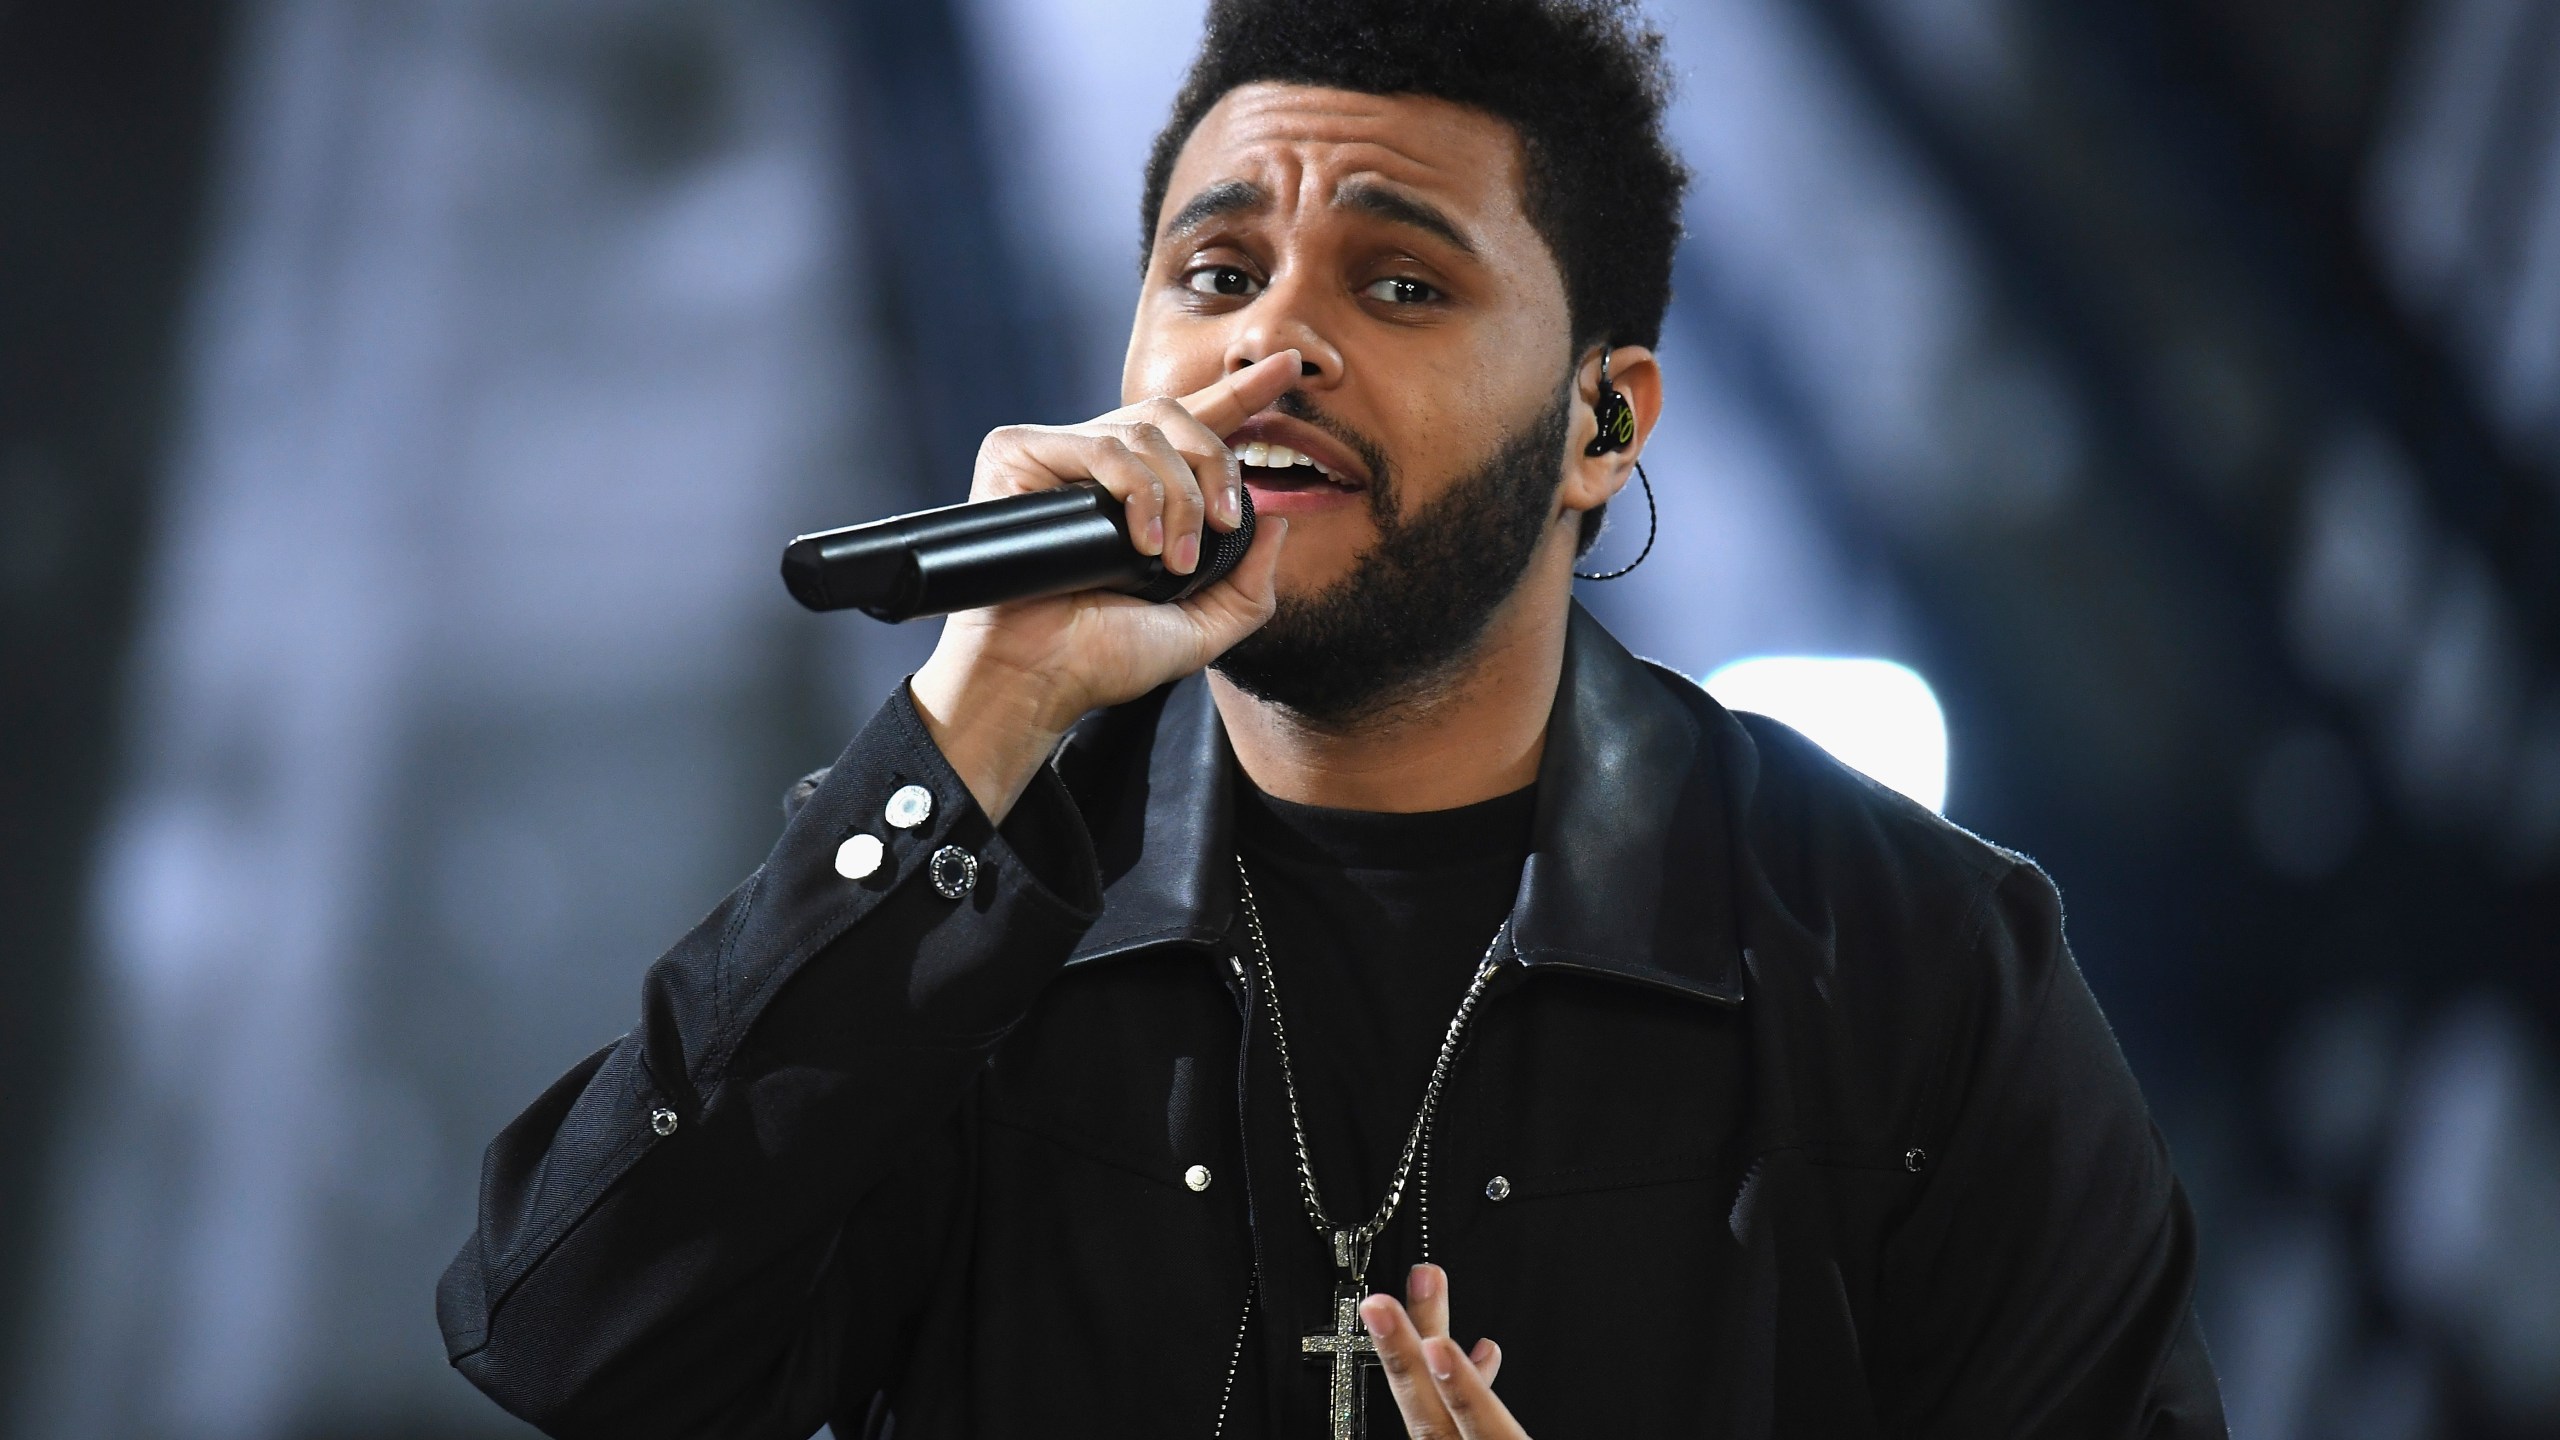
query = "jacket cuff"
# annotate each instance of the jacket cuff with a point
(894, 785)
(891, 827)
(1046, 831)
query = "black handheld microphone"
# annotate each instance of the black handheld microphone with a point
(959, 557)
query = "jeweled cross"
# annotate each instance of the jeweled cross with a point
(1346, 1350)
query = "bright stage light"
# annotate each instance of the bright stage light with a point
(1873, 715)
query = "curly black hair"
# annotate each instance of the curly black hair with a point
(1583, 82)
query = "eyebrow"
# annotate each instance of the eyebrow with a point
(1401, 209)
(1227, 197)
(1235, 197)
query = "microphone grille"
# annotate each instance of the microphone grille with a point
(1220, 551)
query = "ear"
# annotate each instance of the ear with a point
(1591, 481)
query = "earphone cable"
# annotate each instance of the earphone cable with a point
(1652, 526)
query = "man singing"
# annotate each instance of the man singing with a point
(1234, 1017)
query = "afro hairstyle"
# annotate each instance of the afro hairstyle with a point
(1582, 82)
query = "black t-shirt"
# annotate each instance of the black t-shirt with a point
(1376, 924)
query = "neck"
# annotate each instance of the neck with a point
(1474, 735)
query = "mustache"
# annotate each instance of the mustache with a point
(1299, 405)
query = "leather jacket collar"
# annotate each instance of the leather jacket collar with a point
(1631, 868)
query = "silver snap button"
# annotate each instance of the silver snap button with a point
(1497, 1189)
(1197, 1177)
(859, 857)
(663, 1120)
(1915, 1159)
(910, 807)
(954, 872)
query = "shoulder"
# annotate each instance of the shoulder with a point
(1879, 937)
(1821, 833)
(1812, 832)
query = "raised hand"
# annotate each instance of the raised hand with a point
(1004, 683)
(1443, 1392)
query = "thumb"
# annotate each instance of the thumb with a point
(1239, 604)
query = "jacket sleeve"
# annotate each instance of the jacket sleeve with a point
(726, 1219)
(2042, 1283)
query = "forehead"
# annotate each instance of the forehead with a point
(1300, 143)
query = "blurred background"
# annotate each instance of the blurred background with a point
(402, 405)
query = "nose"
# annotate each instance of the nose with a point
(1281, 319)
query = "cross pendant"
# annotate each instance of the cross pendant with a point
(1346, 1350)
(1349, 1346)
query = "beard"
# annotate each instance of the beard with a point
(1415, 603)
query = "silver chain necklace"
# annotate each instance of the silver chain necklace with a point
(1347, 1346)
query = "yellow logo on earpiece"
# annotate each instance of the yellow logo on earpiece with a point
(1622, 426)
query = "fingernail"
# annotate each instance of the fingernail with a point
(1186, 554)
(1422, 1284)
(1380, 1319)
(1155, 536)
(1235, 505)
(1435, 1353)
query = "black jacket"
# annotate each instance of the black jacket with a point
(1809, 1125)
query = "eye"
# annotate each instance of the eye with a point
(1399, 290)
(1220, 280)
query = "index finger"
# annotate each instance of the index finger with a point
(1472, 1405)
(1226, 404)
(1400, 1354)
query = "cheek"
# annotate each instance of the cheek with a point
(1168, 359)
(1495, 374)
(1445, 422)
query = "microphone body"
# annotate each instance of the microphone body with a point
(988, 552)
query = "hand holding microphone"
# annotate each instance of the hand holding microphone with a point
(988, 552)
(1005, 681)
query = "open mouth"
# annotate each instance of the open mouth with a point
(1277, 467)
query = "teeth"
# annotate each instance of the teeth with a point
(1264, 455)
